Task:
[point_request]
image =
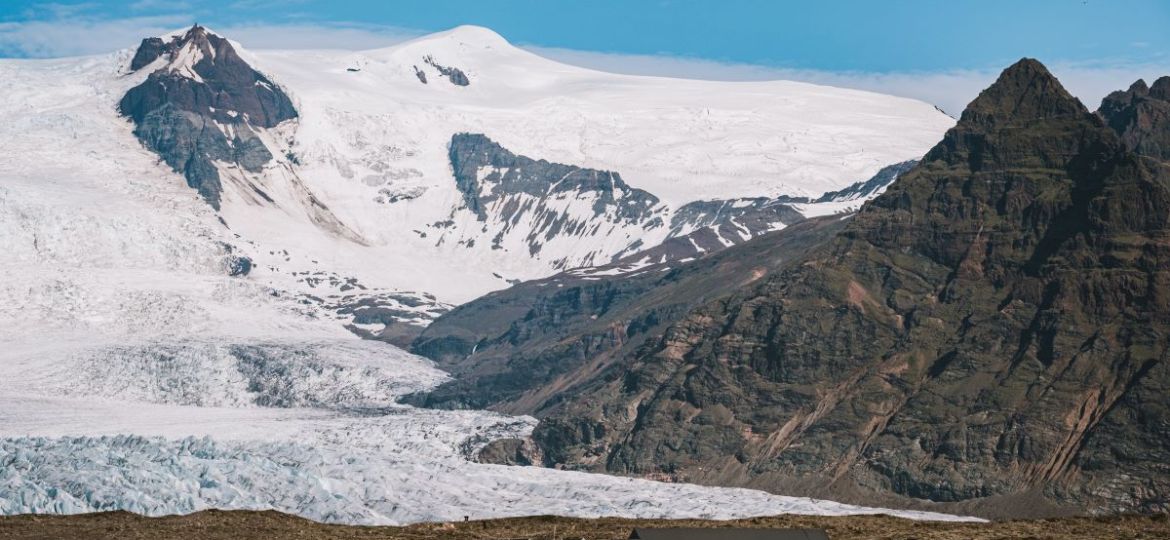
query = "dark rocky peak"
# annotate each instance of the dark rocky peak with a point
(1039, 157)
(150, 50)
(205, 75)
(1139, 88)
(180, 111)
(1025, 91)
(1120, 99)
(153, 48)
(1141, 116)
(994, 327)
(1161, 88)
(1025, 119)
(512, 174)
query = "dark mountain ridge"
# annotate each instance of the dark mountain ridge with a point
(516, 195)
(206, 105)
(521, 349)
(990, 333)
(515, 349)
(1142, 116)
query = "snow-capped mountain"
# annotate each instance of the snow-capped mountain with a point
(420, 169)
(189, 227)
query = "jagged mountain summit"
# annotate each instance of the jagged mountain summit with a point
(1141, 115)
(203, 104)
(989, 333)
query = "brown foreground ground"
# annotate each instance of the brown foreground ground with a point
(256, 525)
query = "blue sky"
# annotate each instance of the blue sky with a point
(886, 45)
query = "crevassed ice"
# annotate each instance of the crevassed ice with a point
(156, 476)
(136, 375)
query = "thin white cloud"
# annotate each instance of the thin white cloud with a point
(949, 90)
(78, 36)
(265, 4)
(317, 36)
(62, 10)
(161, 5)
(74, 34)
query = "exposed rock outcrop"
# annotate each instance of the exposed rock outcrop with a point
(736, 218)
(514, 349)
(394, 317)
(527, 347)
(991, 332)
(1142, 116)
(874, 185)
(453, 74)
(522, 452)
(534, 203)
(486, 173)
(204, 105)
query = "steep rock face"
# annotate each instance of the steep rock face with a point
(149, 51)
(526, 204)
(525, 348)
(1142, 116)
(741, 219)
(993, 328)
(204, 105)
(515, 349)
(708, 226)
(873, 186)
(486, 173)
(454, 75)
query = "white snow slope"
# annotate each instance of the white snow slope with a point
(136, 374)
(371, 143)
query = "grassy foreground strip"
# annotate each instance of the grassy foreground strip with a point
(255, 525)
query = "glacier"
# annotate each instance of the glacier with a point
(369, 484)
(137, 373)
(309, 428)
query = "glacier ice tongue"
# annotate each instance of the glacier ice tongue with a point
(365, 484)
(137, 374)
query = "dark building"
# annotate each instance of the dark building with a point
(728, 534)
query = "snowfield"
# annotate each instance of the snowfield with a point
(136, 373)
(308, 433)
(378, 134)
(371, 144)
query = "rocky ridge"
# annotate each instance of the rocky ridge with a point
(525, 203)
(202, 105)
(524, 348)
(1141, 115)
(353, 176)
(988, 333)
